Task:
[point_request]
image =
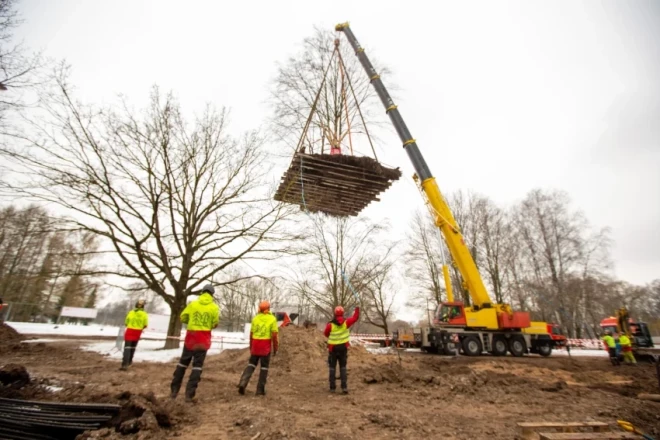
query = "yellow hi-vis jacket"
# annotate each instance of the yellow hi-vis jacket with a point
(609, 340)
(201, 315)
(263, 334)
(339, 334)
(137, 319)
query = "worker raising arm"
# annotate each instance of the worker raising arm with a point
(338, 334)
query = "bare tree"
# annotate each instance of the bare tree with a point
(559, 257)
(378, 297)
(428, 251)
(468, 210)
(339, 105)
(424, 260)
(18, 69)
(340, 257)
(239, 301)
(179, 203)
(494, 239)
(36, 263)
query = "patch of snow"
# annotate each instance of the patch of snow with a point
(580, 352)
(152, 350)
(34, 328)
(37, 328)
(32, 341)
(381, 350)
(53, 389)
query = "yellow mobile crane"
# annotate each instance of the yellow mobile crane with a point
(484, 326)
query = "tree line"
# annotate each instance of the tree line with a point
(42, 268)
(540, 255)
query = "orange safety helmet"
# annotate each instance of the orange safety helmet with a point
(264, 306)
(339, 311)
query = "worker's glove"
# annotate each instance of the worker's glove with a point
(274, 352)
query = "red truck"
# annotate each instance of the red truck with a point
(557, 335)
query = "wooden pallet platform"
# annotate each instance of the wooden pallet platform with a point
(337, 185)
(587, 436)
(567, 430)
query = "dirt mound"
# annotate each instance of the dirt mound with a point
(16, 383)
(8, 334)
(14, 375)
(298, 346)
(300, 350)
(142, 414)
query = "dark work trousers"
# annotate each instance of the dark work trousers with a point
(197, 357)
(339, 354)
(263, 373)
(129, 352)
(613, 357)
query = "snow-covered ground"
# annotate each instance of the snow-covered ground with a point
(31, 328)
(152, 350)
(150, 346)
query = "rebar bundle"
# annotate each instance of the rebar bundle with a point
(31, 420)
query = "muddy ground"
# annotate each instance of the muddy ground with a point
(411, 397)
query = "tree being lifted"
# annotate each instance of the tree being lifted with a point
(322, 179)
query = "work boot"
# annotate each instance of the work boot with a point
(332, 379)
(177, 379)
(261, 386)
(191, 399)
(344, 379)
(245, 378)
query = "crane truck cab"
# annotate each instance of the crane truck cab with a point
(557, 335)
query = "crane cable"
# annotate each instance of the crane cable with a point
(306, 127)
(316, 100)
(357, 105)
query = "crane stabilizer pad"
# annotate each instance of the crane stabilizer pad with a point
(334, 184)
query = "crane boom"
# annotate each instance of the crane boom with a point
(443, 216)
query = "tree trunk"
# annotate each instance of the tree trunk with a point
(174, 327)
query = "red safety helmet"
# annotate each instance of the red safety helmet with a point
(339, 311)
(263, 306)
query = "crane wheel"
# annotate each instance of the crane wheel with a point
(517, 345)
(499, 346)
(544, 350)
(472, 346)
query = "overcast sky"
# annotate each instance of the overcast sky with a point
(502, 96)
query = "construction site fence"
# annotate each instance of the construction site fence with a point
(217, 341)
(584, 344)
